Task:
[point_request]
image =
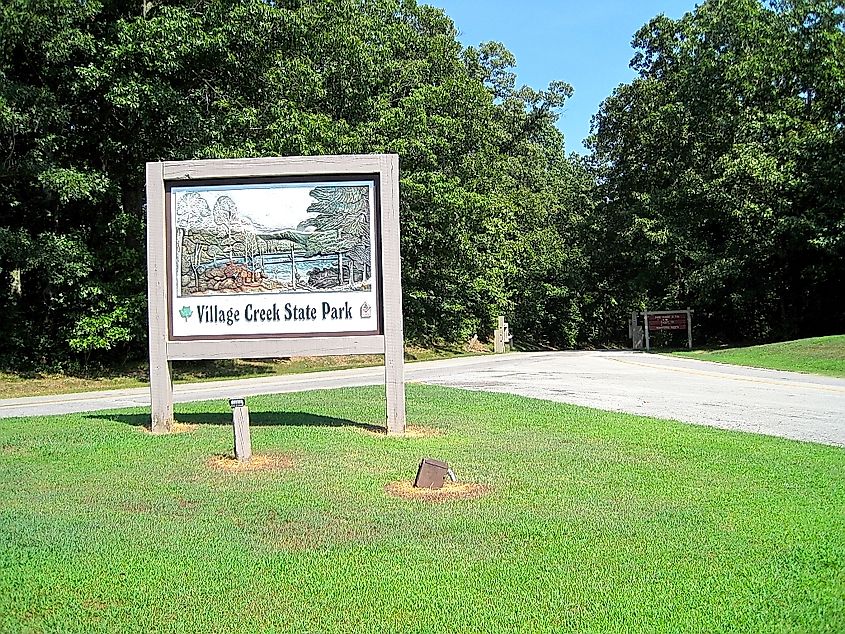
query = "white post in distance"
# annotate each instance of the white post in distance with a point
(689, 328)
(499, 336)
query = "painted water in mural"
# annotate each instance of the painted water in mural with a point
(272, 238)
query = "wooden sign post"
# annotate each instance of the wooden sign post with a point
(274, 257)
(635, 332)
(667, 320)
(501, 336)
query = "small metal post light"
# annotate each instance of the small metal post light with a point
(240, 423)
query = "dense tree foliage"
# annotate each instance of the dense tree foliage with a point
(715, 179)
(91, 90)
(720, 169)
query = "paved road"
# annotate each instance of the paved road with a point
(784, 404)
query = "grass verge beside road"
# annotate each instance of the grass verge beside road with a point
(592, 521)
(819, 355)
(14, 385)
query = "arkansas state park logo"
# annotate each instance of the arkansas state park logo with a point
(185, 312)
(366, 311)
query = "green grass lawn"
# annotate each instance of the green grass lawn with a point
(137, 374)
(594, 521)
(819, 355)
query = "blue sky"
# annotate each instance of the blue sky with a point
(586, 43)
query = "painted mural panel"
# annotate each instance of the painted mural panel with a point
(273, 258)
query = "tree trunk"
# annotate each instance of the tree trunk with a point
(196, 267)
(292, 266)
(180, 239)
(132, 198)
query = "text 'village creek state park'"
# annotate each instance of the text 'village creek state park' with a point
(288, 312)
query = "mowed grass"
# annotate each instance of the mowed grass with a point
(594, 521)
(819, 355)
(137, 374)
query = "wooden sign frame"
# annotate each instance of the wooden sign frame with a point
(387, 338)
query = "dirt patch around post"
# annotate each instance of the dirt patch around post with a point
(175, 428)
(406, 490)
(420, 431)
(183, 428)
(411, 431)
(261, 462)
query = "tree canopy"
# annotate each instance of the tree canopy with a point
(720, 168)
(91, 90)
(714, 181)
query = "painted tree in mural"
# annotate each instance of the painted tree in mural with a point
(343, 217)
(252, 251)
(225, 214)
(192, 214)
(238, 236)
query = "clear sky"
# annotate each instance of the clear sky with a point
(271, 206)
(586, 43)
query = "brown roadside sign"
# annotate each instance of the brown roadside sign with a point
(671, 321)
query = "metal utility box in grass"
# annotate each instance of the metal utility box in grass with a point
(274, 257)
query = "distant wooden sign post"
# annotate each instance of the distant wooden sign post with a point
(274, 257)
(667, 320)
(501, 336)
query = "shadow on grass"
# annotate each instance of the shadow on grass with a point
(223, 369)
(527, 345)
(432, 350)
(139, 370)
(259, 419)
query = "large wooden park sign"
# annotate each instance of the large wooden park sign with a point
(274, 257)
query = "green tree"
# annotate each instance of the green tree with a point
(90, 91)
(343, 221)
(225, 216)
(716, 168)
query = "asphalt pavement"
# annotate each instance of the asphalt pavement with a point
(787, 404)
